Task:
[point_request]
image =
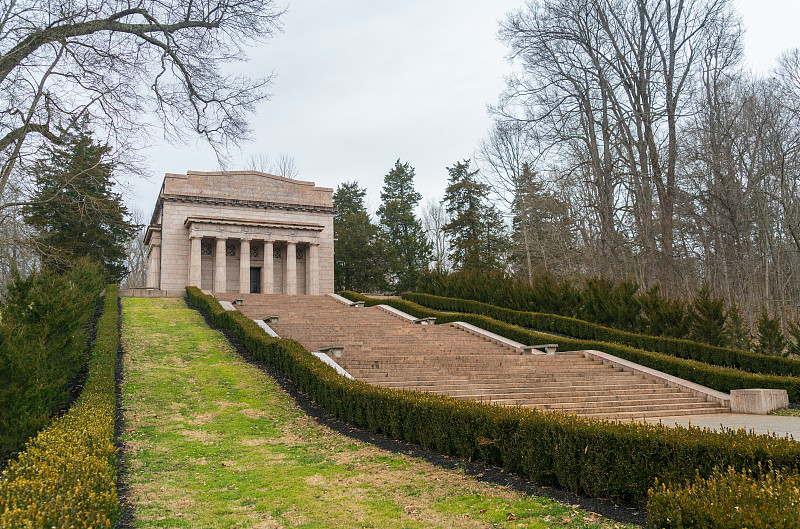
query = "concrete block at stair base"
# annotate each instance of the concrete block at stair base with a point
(328, 360)
(271, 319)
(549, 349)
(358, 304)
(239, 302)
(335, 351)
(267, 328)
(226, 305)
(758, 401)
(425, 321)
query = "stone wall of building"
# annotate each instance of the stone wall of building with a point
(248, 205)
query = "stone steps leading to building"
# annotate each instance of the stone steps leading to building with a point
(387, 350)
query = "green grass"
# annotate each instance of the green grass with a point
(213, 442)
(787, 412)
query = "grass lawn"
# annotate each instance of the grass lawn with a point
(211, 442)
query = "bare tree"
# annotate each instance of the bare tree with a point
(506, 157)
(284, 166)
(136, 254)
(607, 82)
(127, 68)
(434, 218)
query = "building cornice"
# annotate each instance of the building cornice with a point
(236, 202)
(225, 221)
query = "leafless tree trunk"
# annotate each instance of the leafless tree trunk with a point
(434, 219)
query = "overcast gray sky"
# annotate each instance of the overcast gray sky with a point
(361, 83)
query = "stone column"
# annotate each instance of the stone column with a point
(290, 279)
(220, 268)
(312, 270)
(244, 267)
(194, 261)
(154, 266)
(267, 274)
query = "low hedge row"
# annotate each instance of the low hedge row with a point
(66, 476)
(728, 499)
(715, 377)
(597, 458)
(584, 330)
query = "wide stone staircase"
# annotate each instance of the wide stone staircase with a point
(384, 349)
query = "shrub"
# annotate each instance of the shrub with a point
(614, 339)
(764, 500)
(610, 303)
(43, 334)
(737, 335)
(66, 477)
(707, 318)
(770, 338)
(598, 458)
(794, 343)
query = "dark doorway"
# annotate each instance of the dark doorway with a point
(255, 281)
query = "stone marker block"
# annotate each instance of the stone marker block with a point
(758, 401)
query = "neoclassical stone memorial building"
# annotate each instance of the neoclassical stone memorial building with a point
(241, 231)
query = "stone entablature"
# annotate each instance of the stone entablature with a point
(260, 233)
(253, 229)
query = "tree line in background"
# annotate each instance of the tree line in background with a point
(633, 144)
(469, 253)
(465, 231)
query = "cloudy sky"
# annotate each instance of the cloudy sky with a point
(361, 83)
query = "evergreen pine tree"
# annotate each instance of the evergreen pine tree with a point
(707, 318)
(358, 262)
(793, 347)
(736, 333)
(476, 228)
(770, 338)
(407, 248)
(74, 208)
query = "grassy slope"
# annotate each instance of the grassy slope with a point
(213, 442)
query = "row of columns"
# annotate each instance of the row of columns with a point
(267, 272)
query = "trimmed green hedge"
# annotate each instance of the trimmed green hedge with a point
(599, 458)
(584, 330)
(715, 377)
(726, 500)
(67, 475)
(43, 334)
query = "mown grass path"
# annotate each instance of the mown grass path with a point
(213, 442)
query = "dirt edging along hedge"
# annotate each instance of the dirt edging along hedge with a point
(715, 377)
(584, 330)
(597, 458)
(66, 476)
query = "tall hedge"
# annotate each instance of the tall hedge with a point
(44, 327)
(67, 474)
(599, 458)
(709, 354)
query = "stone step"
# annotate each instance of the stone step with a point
(386, 350)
